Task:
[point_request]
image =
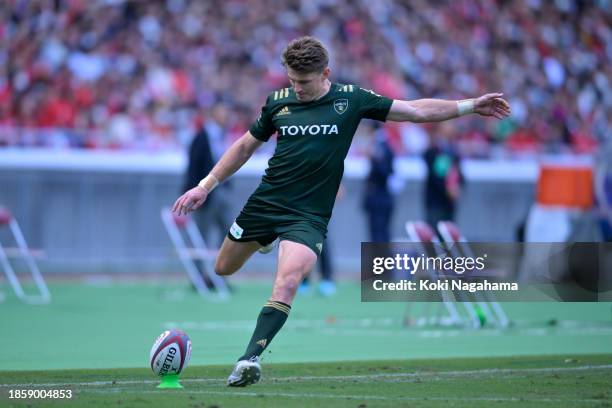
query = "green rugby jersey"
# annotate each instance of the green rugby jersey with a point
(304, 174)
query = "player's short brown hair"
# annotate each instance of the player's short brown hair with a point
(305, 55)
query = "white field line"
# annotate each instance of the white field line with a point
(367, 322)
(377, 327)
(381, 376)
(251, 394)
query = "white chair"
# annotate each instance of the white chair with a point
(424, 237)
(459, 246)
(21, 251)
(191, 247)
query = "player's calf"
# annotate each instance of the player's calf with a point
(295, 261)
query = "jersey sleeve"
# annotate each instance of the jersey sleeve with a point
(263, 127)
(372, 105)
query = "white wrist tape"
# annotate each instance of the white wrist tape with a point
(465, 106)
(209, 182)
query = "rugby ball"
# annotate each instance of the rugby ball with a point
(170, 353)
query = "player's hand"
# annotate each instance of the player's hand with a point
(190, 201)
(492, 105)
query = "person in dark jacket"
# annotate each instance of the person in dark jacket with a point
(377, 199)
(207, 146)
(444, 178)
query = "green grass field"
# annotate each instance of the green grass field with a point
(94, 338)
(554, 381)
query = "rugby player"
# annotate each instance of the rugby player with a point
(315, 120)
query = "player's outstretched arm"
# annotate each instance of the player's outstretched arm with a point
(437, 110)
(234, 158)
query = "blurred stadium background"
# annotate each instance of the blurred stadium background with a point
(100, 99)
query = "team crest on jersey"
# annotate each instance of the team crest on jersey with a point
(340, 106)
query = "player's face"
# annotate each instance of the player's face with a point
(309, 86)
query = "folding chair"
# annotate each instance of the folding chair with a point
(421, 234)
(191, 247)
(21, 251)
(458, 246)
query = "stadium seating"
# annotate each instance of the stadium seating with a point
(145, 87)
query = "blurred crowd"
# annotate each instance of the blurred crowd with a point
(145, 74)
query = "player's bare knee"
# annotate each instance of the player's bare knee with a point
(224, 267)
(289, 285)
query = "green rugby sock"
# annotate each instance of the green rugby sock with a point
(271, 318)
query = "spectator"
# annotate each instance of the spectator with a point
(74, 64)
(444, 178)
(377, 199)
(205, 150)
